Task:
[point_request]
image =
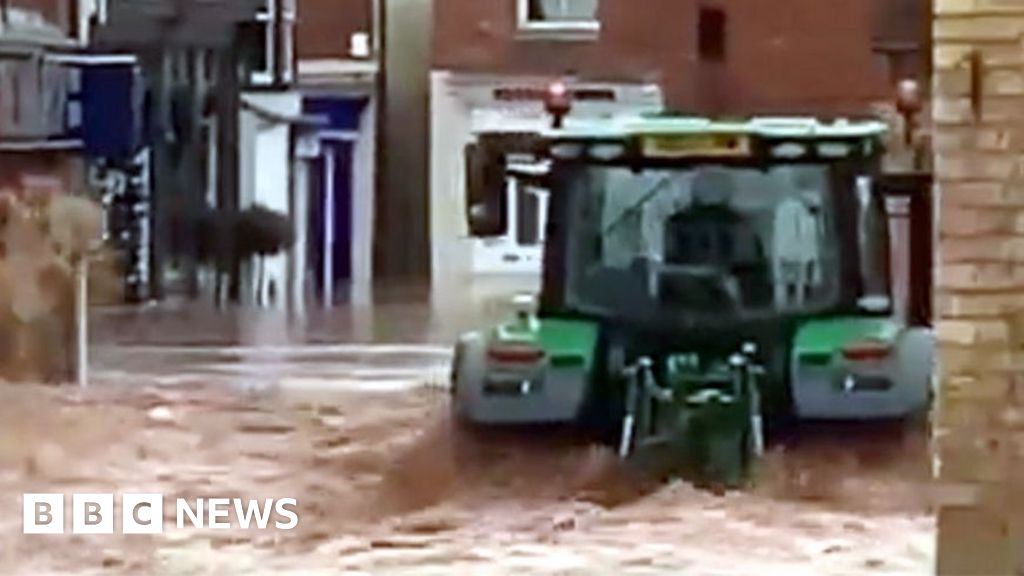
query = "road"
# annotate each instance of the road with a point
(358, 434)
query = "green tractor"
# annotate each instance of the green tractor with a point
(703, 280)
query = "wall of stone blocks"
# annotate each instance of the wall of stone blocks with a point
(979, 161)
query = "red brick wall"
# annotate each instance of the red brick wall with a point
(782, 56)
(979, 435)
(64, 170)
(325, 26)
(60, 13)
(480, 36)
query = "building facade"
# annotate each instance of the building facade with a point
(338, 47)
(223, 120)
(978, 135)
(715, 57)
(39, 147)
(718, 56)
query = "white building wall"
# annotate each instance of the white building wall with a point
(450, 132)
(265, 179)
(461, 106)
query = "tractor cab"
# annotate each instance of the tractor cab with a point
(698, 273)
(673, 236)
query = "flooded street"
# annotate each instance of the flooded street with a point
(353, 424)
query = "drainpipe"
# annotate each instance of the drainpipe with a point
(375, 20)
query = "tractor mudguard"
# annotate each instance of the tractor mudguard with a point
(916, 365)
(860, 368)
(468, 371)
(496, 382)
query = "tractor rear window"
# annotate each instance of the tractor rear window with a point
(706, 239)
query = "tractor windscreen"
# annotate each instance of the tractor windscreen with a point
(699, 240)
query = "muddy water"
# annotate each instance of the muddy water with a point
(381, 491)
(348, 414)
(400, 314)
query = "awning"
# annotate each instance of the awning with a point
(274, 117)
(343, 113)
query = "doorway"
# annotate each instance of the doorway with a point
(330, 221)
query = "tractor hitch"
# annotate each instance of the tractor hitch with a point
(704, 421)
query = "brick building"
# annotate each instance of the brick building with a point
(36, 147)
(294, 128)
(715, 57)
(730, 56)
(337, 45)
(978, 135)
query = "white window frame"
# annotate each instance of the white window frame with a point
(289, 16)
(265, 16)
(577, 27)
(274, 27)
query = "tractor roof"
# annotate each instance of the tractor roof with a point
(764, 127)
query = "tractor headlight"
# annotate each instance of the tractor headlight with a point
(834, 150)
(567, 151)
(789, 150)
(607, 152)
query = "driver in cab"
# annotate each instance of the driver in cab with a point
(710, 233)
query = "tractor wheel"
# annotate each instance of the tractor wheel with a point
(604, 407)
(465, 439)
(466, 444)
(915, 428)
(778, 406)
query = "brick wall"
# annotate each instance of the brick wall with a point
(788, 56)
(325, 26)
(64, 170)
(979, 147)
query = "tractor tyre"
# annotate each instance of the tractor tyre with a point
(604, 407)
(466, 445)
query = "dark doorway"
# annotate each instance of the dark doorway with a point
(330, 225)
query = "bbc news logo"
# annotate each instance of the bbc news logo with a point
(144, 513)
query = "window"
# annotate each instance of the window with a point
(526, 199)
(20, 102)
(274, 64)
(559, 15)
(16, 99)
(54, 98)
(711, 24)
(287, 38)
(694, 241)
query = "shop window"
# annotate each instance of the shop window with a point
(272, 37)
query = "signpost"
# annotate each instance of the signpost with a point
(82, 315)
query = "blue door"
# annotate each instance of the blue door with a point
(331, 220)
(331, 195)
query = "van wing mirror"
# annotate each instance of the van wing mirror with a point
(485, 192)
